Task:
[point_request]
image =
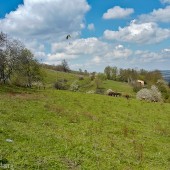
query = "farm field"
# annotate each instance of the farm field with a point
(54, 129)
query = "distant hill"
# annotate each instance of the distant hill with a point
(166, 75)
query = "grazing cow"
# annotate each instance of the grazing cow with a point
(111, 93)
(127, 96)
(115, 94)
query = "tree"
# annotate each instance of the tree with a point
(108, 72)
(28, 67)
(80, 71)
(65, 66)
(16, 61)
(111, 72)
(9, 51)
(2, 66)
(114, 73)
(2, 57)
(85, 72)
(13, 53)
(152, 95)
(153, 76)
(2, 39)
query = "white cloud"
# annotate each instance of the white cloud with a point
(150, 57)
(118, 12)
(119, 52)
(165, 1)
(91, 46)
(147, 56)
(81, 47)
(159, 15)
(91, 49)
(91, 27)
(139, 33)
(59, 57)
(166, 50)
(49, 20)
(93, 53)
(38, 23)
(40, 55)
(96, 59)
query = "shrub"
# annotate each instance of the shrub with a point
(81, 77)
(156, 94)
(60, 85)
(90, 92)
(153, 94)
(136, 88)
(163, 88)
(99, 91)
(92, 76)
(74, 86)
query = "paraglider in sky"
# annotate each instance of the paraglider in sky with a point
(68, 36)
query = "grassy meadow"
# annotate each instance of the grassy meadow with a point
(52, 76)
(62, 130)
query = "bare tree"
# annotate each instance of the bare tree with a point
(65, 66)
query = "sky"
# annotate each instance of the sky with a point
(121, 33)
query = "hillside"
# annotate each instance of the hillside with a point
(55, 129)
(86, 84)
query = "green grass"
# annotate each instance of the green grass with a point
(86, 84)
(118, 86)
(55, 129)
(52, 76)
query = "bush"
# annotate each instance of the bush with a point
(81, 77)
(99, 91)
(19, 80)
(152, 95)
(136, 88)
(74, 86)
(90, 92)
(163, 88)
(61, 85)
(156, 94)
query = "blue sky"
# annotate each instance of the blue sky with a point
(122, 33)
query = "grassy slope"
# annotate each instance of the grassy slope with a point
(54, 129)
(51, 76)
(86, 84)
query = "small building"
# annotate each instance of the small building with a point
(141, 82)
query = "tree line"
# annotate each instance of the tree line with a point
(17, 63)
(63, 67)
(130, 75)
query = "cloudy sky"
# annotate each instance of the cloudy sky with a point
(122, 33)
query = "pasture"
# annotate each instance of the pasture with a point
(54, 129)
(86, 84)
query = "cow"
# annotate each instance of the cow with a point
(115, 94)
